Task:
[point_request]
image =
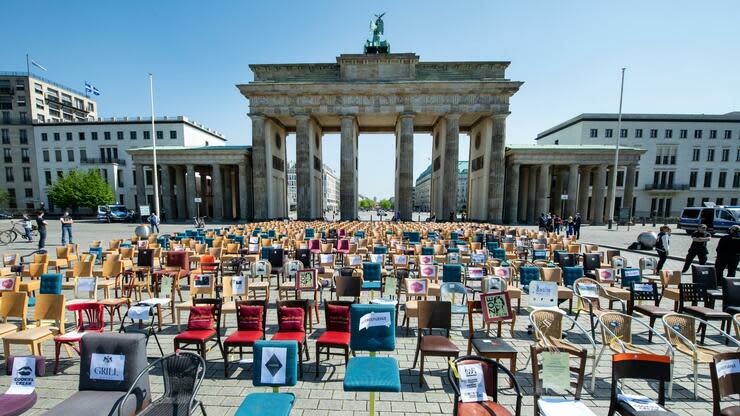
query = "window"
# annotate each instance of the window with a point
(683, 133)
(9, 174)
(722, 179)
(148, 178)
(653, 133)
(728, 134)
(20, 85)
(106, 135)
(697, 134)
(119, 135)
(81, 136)
(620, 178)
(58, 155)
(94, 136)
(173, 134)
(83, 155)
(23, 116)
(638, 133)
(693, 178)
(119, 179)
(736, 180)
(25, 156)
(11, 198)
(637, 179)
(708, 179)
(27, 174)
(60, 174)
(45, 154)
(70, 155)
(69, 137)
(689, 202)
(725, 155)
(44, 137)
(133, 177)
(39, 103)
(147, 135)
(21, 101)
(594, 133)
(710, 155)
(29, 193)
(6, 136)
(695, 155)
(132, 135)
(47, 177)
(737, 157)
(733, 201)
(160, 135)
(23, 136)
(657, 159)
(56, 137)
(721, 201)
(668, 134)
(712, 134)
(7, 156)
(623, 133)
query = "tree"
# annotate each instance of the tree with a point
(4, 197)
(81, 189)
(367, 203)
(386, 204)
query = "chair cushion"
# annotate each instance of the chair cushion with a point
(730, 411)
(372, 374)
(374, 285)
(298, 337)
(266, 404)
(201, 318)
(651, 310)
(337, 318)
(16, 404)
(483, 345)
(706, 312)
(291, 319)
(196, 335)
(438, 343)
(334, 337)
(487, 408)
(250, 318)
(244, 337)
(95, 403)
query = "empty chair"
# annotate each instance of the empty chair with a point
(23, 397)
(434, 315)
(485, 406)
(724, 385)
(642, 367)
(265, 359)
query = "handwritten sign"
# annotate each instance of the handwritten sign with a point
(273, 365)
(471, 383)
(588, 290)
(417, 286)
(238, 287)
(555, 370)
(727, 367)
(23, 378)
(306, 279)
(390, 286)
(354, 260)
(107, 367)
(373, 319)
(496, 307)
(543, 294)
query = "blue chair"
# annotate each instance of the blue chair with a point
(371, 277)
(372, 374)
(571, 274)
(526, 275)
(492, 245)
(414, 237)
(427, 251)
(360, 234)
(539, 254)
(265, 253)
(271, 234)
(98, 252)
(309, 234)
(457, 295)
(380, 250)
(453, 250)
(163, 242)
(432, 235)
(272, 375)
(454, 235)
(239, 239)
(51, 284)
(630, 275)
(452, 273)
(498, 253)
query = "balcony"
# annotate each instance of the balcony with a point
(15, 120)
(103, 161)
(666, 187)
(64, 103)
(6, 91)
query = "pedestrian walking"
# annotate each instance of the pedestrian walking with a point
(577, 225)
(154, 222)
(569, 228)
(558, 223)
(542, 222)
(41, 226)
(663, 245)
(67, 222)
(27, 227)
(728, 253)
(698, 247)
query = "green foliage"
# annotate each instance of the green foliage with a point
(386, 204)
(4, 197)
(81, 189)
(367, 203)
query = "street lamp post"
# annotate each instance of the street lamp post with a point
(616, 155)
(154, 149)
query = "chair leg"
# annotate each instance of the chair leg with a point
(300, 363)
(650, 334)
(318, 358)
(202, 408)
(696, 375)
(58, 348)
(421, 371)
(226, 362)
(416, 356)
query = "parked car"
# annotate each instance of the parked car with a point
(115, 212)
(716, 218)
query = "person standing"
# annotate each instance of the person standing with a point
(557, 222)
(67, 222)
(577, 225)
(728, 253)
(154, 222)
(662, 246)
(27, 227)
(569, 227)
(698, 247)
(41, 226)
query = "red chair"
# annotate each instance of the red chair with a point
(343, 247)
(251, 316)
(337, 330)
(292, 317)
(89, 319)
(177, 261)
(342, 233)
(314, 246)
(203, 324)
(208, 264)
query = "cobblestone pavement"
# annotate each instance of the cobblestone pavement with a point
(322, 394)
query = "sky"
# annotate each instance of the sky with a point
(681, 56)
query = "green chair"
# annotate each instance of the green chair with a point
(275, 365)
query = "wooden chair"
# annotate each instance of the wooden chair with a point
(491, 370)
(251, 322)
(337, 332)
(48, 308)
(669, 281)
(568, 406)
(13, 305)
(204, 324)
(724, 385)
(201, 286)
(433, 315)
(643, 367)
(695, 293)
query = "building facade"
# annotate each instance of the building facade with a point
(25, 100)
(689, 158)
(103, 144)
(423, 190)
(330, 182)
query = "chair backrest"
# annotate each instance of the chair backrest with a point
(591, 261)
(630, 275)
(579, 371)
(348, 285)
(14, 305)
(725, 377)
(145, 258)
(89, 316)
(644, 291)
(251, 315)
(179, 259)
(615, 326)
(35, 270)
(215, 305)
(571, 274)
(452, 273)
(705, 275)
(641, 366)
(203, 284)
(277, 257)
(9, 283)
(298, 303)
(683, 324)
(261, 268)
(692, 292)
(86, 287)
(527, 274)
(10, 259)
(434, 314)
(670, 277)
(552, 274)
(547, 323)
(337, 317)
(372, 327)
(730, 293)
(275, 363)
(371, 271)
(304, 255)
(51, 283)
(490, 369)
(49, 307)
(648, 263)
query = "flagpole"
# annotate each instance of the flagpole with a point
(28, 65)
(616, 155)
(154, 149)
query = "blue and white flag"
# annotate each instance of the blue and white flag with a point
(36, 64)
(89, 89)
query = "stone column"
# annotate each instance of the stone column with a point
(217, 191)
(204, 211)
(190, 190)
(405, 163)
(244, 210)
(348, 171)
(451, 156)
(597, 198)
(166, 191)
(303, 168)
(532, 195)
(610, 194)
(140, 185)
(523, 192)
(583, 185)
(629, 187)
(543, 190)
(180, 193)
(570, 204)
(496, 172)
(260, 166)
(512, 193)
(228, 181)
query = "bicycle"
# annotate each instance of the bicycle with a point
(199, 222)
(11, 234)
